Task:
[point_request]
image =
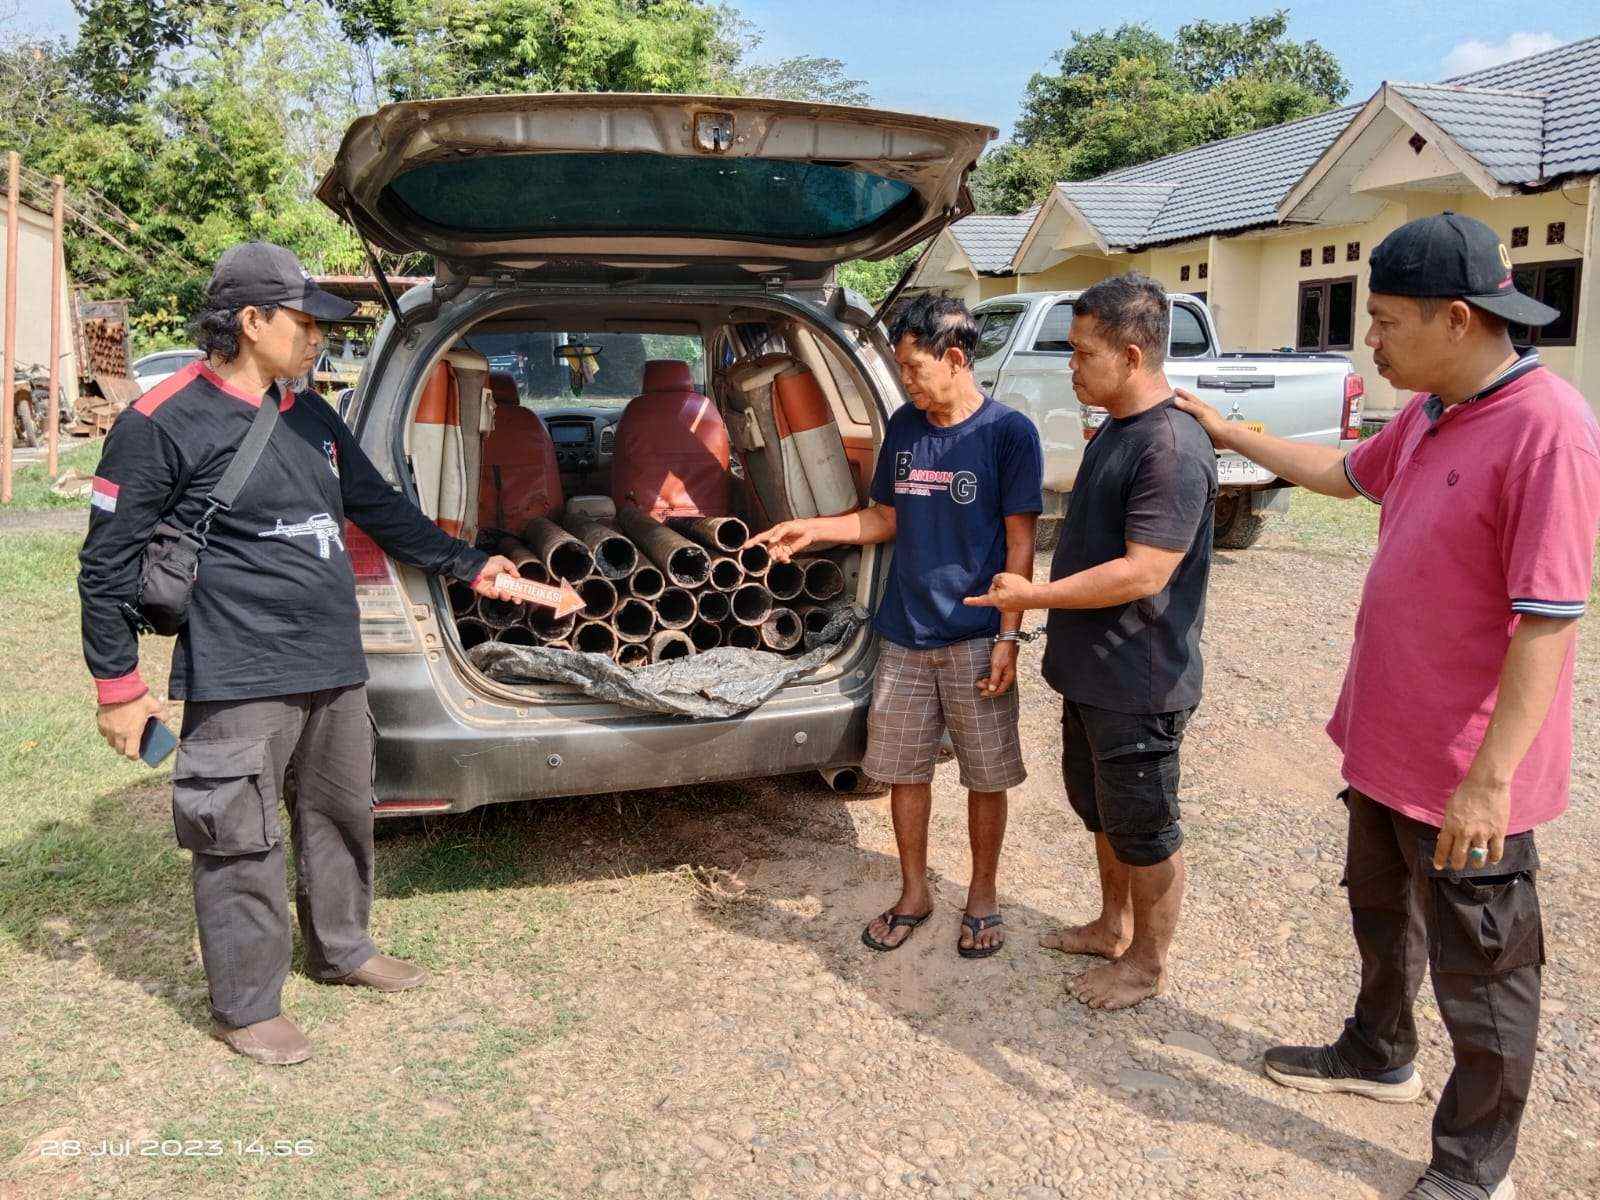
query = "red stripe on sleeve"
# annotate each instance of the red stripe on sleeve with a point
(120, 690)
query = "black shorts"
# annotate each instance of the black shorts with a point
(1121, 772)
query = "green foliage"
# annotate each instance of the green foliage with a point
(874, 279)
(1130, 95)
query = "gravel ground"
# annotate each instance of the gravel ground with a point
(770, 1054)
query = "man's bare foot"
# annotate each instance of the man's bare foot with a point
(1116, 985)
(1094, 938)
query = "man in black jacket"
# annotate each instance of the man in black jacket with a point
(270, 662)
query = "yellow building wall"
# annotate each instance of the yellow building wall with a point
(1071, 275)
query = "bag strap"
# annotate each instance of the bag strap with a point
(244, 462)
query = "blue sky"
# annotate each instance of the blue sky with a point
(972, 60)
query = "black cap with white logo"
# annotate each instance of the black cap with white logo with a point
(1454, 257)
(261, 274)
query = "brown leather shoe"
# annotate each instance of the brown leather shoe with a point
(385, 974)
(277, 1042)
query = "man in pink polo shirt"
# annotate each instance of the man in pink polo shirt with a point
(1456, 715)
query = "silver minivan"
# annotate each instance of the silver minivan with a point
(708, 226)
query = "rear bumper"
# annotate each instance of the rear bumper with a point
(435, 757)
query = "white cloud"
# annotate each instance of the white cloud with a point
(1473, 55)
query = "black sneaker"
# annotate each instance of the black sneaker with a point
(1320, 1069)
(1435, 1185)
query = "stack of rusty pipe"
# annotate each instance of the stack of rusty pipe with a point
(653, 590)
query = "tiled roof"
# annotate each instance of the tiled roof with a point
(1502, 130)
(1526, 121)
(991, 241)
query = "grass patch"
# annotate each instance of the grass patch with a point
(1327, 524)
(31, 484)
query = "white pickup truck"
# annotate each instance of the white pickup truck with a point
(1022, 360)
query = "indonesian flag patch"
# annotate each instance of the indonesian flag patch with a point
(103, 494)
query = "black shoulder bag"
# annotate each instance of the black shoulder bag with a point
(172, 556)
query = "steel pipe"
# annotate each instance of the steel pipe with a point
(755, 560)
(726, 574)
(781, 630)
(563, 555)
(461, 596)
(599, 597)
(595, 637)
(705, 635)
(615, 557)
(676, 608)
(529, 564)
(815, 617)
(720, 535)
(497, 613)
(472, 632)
(633, 654)
(543, 621)
(634, 620)
(751, 604)
(745, 637)
(824, 579)
(683, 562)
(646, 582)
(785, 580)
(517, 635)
(670, 644)
(715, 606)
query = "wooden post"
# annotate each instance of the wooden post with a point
(57, 267)
(9, 369)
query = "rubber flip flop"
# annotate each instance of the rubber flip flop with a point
(977, 925)
(896, 921)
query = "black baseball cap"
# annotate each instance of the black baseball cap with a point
(260, 273)
(1456, 257)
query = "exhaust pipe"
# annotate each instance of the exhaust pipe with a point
(633, 654)
(824, 579)
(670, 644)
(781, 630)
(720, 535)
(715, 606)
(646, 582)
(752, 603)
(841, 779)
(676, 608)
(705, 635)
(595, 637)
(472, 632)
(563, 555)
(599, 597)
(755, 560)
(684, 563)
(785, 580)
(634, 620)
(615, 557)
(529, 565)
(726, 573)
(745, 637)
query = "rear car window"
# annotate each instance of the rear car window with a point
(994, 330)
(751, 198)
(1188, 335)
(616, 373)
(1054, 328)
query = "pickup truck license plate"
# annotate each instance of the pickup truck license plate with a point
(1240, 470)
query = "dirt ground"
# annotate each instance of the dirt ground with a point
(664, 995)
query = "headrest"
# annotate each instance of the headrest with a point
(504, 389)
(667, 375)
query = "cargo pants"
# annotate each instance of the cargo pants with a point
(236, 760)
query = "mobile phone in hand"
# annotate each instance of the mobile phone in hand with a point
(156, 742)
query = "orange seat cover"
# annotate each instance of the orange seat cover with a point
(671, 455)
(519, 479)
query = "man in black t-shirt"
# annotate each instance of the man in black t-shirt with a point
(269, 662)
(1127, 597)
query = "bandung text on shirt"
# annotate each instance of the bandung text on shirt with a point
(909, 481)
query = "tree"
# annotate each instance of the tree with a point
(1130, 95)
(802, 77)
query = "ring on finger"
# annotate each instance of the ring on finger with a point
(1479, 855)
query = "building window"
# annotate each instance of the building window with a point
(1416, 141)
(1519, 236)
(1555, 284)
(1183, 273)
(1203, 267)
(1305, 257)
(1327, 255)
(1555, 233)
(1352, 252)
(1326, 315)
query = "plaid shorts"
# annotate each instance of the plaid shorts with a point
(918, 694)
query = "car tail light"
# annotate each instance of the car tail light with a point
(386, 623)
(1355, 389)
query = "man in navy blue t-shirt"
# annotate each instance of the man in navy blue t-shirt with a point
(957, 489)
